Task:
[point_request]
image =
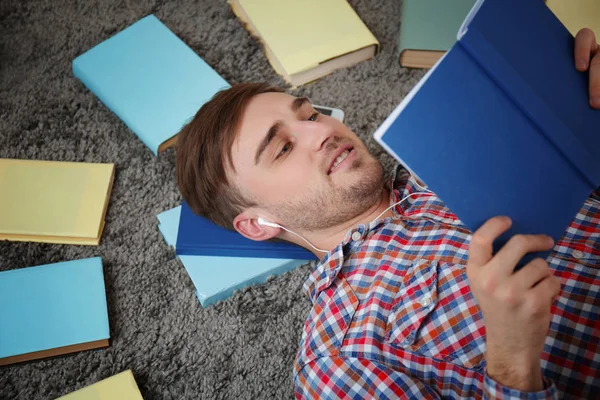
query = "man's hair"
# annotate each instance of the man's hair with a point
(204, 148)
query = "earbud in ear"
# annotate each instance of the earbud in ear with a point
(264, 222)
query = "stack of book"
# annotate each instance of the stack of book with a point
(219, 261)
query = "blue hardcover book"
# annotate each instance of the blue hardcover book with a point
(52, 309)
(502, 124)
(198, 236)
(216, 278)
(150, 78)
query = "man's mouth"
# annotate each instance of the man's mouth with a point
(345, 152)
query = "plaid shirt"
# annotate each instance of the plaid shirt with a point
(393, 315)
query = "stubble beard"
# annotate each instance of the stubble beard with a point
(325, 207)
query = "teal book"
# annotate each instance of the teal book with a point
(150, 79)
(428, 29)
(216, 278)
(52, 309)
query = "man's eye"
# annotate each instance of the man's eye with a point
(284, 149)
(314, 117)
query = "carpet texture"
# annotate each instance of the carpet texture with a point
(241, 348)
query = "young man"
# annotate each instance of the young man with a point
(406, 301)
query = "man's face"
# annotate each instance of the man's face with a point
(308, 170)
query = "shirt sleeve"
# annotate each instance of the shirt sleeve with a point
(334, 377)
(495, 390)
(329, 378)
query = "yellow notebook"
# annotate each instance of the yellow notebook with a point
(118, 387)
(53, 202)
(307, 39)
(577, 14)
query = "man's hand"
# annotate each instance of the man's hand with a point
(515, 305)
(587, 56)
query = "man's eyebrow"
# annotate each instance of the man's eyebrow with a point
(267, 139)
(298, 103)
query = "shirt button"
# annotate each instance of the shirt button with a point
(578, 254)
(425, 301)
(356, 236)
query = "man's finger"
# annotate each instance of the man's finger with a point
(509, 255)
(532, 273)
(546, 291)
(480, 248)
(595, 80)
(585, 45)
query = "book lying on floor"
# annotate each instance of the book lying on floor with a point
(306, 40)
(52, 309)
(216, 278)
(200, 237)
(428, 29)
(502, 125)
(576, 15)
(150, 79)
(53, 201)
(121, 386)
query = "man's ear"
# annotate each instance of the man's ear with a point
(247, 225)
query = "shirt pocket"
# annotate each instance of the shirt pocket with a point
(334, 308)
(435, 315)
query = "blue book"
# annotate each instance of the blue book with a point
(502, 124)
(216, 278)
(52, 309)
(150, 78)
(198, 236)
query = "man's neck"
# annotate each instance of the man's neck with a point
(329, 238)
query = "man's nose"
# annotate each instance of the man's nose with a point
(314, 135)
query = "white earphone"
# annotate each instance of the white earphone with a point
(264, 222)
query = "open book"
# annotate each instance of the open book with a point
(502, 125)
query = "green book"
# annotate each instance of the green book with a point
(428, 29)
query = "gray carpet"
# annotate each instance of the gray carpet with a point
(241, 348)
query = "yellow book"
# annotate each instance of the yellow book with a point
(577, 14)
(118, 387)
(53, 202)
(307, 39)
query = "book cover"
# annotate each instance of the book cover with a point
(199, 236)
(293, 46)
(52, 309)
(502, 124)
(53, 201)
(150, 79)
(121, 386)
(428, 29)
(216, 278)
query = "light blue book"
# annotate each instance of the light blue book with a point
(150, 78)
(216, 278)
(52, 309)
